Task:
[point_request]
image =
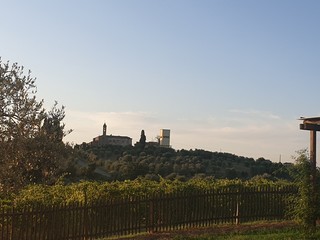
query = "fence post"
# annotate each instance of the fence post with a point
(237, 214)
(85, 220)
(238, 199)
(237, 207)
(151, 214)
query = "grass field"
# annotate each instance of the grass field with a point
(283, 234)
(251, 231)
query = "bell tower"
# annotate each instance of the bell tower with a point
(104, 129)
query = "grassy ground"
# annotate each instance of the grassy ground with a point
(284, 234)
(252, 231)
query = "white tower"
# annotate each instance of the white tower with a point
(165, 137)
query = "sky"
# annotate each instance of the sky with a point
(222, 75)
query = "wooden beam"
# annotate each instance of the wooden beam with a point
(313, 162)
(310, 127)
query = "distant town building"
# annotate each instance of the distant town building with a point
(164, 138)
(151, 143)
(105, 139)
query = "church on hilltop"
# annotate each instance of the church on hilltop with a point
(105, 139)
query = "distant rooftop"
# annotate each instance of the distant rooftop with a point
(312, 120)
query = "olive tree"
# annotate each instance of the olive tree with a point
(31, 147)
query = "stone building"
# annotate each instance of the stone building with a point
(105, 139)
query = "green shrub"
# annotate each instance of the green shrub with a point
(93, 191)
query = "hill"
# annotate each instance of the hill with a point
(122, 163)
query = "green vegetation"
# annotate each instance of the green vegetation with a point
(264, 234)
(249, 231)
(31, 147)
(94, 191)
(32, 150)
(151, 162)
(306, 210)
(38, 167)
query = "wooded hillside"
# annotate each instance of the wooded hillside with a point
(121, 163)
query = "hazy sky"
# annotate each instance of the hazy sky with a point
(223, 75)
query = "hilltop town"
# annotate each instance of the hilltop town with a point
(124, 141)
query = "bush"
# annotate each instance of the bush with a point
(93, 191)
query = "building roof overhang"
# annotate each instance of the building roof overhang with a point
(310, 123)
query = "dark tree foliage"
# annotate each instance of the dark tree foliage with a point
(53, 127)
(142, 140)
(306, 206)
(132, 162)
(31, 147)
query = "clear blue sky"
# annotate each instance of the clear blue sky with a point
(223, 75)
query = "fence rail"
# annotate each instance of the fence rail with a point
(161, 212)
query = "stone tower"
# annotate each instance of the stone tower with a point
(104, 129)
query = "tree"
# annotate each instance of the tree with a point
(305, 206)
(142, 141)
(52, 126)
(20, 113)
(31, 147)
